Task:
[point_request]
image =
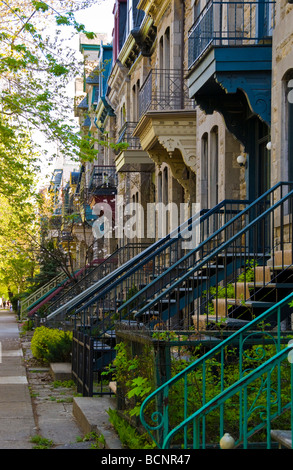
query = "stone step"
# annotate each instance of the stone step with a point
(91, 415)
(61, 371)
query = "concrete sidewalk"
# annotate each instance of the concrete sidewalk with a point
(17, 424)
(22, 417)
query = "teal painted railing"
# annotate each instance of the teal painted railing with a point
(238, 387)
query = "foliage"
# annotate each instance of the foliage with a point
(17, 255)
(134, 376)
(41, 442)
(128, 435)
(228, 291)
(27, 325)
(256, 393)
(35, 67)
(51, 345)
(98, 440)
(136, 380)
(63, 383)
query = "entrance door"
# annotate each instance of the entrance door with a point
(258, 181)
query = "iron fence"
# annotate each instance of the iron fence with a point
(90, 358)
(103, 176)
(125, 135)
(164, 90)
(230, 24)
(82, 363)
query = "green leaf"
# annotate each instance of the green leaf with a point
(62, 20)
(40, 6)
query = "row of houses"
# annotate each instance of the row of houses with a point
(191, 109)
(199, 92)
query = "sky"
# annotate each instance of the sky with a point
(98, 18)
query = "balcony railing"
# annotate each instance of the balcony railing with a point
(231, 24)
(125, 135)
(103, 177)
(164, 90)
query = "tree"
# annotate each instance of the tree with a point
(18, 260)
(61, 233)
(36, 68)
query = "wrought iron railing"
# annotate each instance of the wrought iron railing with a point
(103, 176)
(43, 290)
(101, 304)
(220, 276)
(164, 90)
(94, 272)
(230, 24)
(125, 135)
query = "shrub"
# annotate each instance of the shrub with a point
(51, 345)
(27, 325)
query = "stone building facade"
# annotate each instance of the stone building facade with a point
(188, 107)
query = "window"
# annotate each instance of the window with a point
(130, 16)
(204, 171)
(287, 140)
(196, 9)
(214, 171)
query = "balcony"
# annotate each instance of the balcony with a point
(133, 158)
(126, 135)
(167, 123)
(103, 180)
(164, 90)
(230, 24)
(230, 61)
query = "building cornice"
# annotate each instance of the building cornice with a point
(154, 8)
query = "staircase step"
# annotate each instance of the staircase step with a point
(99, 346)
(271, 285)
(202, 321)
(283, 257)
(184, 289)
(259, 304)
(262, 274)
(289, 267)
(155, 313)
(284, 438)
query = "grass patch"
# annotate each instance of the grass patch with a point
(41, 442)
(128, 435)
